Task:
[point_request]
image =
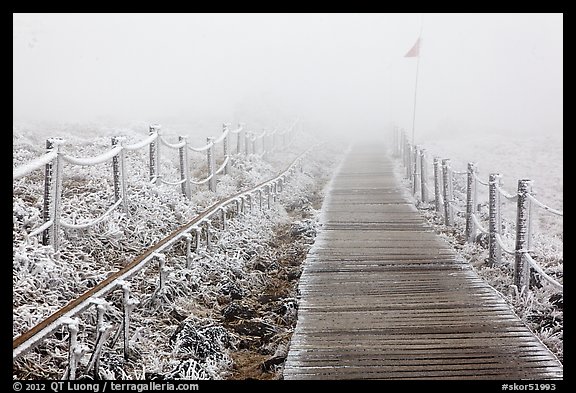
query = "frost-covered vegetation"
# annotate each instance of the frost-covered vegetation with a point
(228, 304)
(538, 158)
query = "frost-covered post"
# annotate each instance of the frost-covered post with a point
(188, 239)
(423, 176)
(226, 146)
(470, 203)
(269, 191)
(253, 143)
(260, 198)
(128, 305)
(161, 270)
(102, 330)
(446, 180)
(494, 252)
(223, 218)
(119, 171)
(52, 191)
(521, 268)
(211, 164)
(155, 155)
(437, 185)
(246, 144)
(198, 233)
(250, 199)
(184, 172)
(208, 239)
(73, 349)
(415, 170)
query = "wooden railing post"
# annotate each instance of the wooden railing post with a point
(52, 195)
(184, 171)
(119, 173)
(437, 185)
(226, 145)
(154, 155)
(423, 176)
(446, 180)
(211, 164)
(494, 251)
(470, 203)
(48, 195)
(521, 269)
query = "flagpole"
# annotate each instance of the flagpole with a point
(415, 95)
(416, 83)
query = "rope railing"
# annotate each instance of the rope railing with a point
(478, 180)
(537, 267)
(201, 149)
(102, 158)
(448, 200)
(478, 225)
(198, 229)
(172, 145)
(142, 143)
(503, 246)
(33, 165)
(506, 194)
(176, 183)
(545, 207)
(52, 162)
(93, 222)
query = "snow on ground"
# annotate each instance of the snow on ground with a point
(538, 158)
(196, 326)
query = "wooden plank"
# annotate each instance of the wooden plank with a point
(383, 297)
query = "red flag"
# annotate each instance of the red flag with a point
(415, 51)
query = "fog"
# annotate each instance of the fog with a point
(339, 73)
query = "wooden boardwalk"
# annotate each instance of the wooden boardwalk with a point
(383, 297)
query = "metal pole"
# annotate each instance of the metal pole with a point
(494, 251)
(521, 269)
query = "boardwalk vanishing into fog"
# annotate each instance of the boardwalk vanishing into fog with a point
(383, 297)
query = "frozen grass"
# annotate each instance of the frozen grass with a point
(177, 331)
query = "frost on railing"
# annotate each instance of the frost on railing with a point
(449, 201)
(53, 160)
(38, 163)
(94, 297)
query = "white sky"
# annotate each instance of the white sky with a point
(478, 72)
